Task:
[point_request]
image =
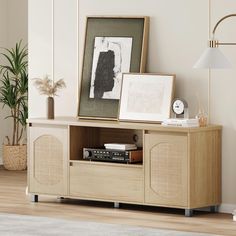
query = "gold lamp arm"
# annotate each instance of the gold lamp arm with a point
(222, 19)
(215, 43)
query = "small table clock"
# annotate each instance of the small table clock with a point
(180, 108)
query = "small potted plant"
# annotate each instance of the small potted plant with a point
(14, 95)
(49, 88)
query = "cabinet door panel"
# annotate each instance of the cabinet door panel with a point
(166, 169)
(48, 160)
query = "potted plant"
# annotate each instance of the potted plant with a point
(14, 95)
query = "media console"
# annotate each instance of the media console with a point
(181, 167)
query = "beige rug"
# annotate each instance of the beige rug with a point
(20, 225)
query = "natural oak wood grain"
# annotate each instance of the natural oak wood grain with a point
(186, 168)
(92, 137)
(144, 44)
(81, 137)
(106, 182)
(109, 135)
(181, 166)
(13, 200)
(118, 125)
(205, 168)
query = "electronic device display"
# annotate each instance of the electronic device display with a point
(112, 155)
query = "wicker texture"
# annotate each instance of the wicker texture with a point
(15, 157)
(166, 164)
(48, 159)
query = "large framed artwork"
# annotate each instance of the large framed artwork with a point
(113, 45)
(146, 97)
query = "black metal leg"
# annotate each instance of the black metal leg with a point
(34, 198)
(214, 209)
(188, 212)
(60, 198)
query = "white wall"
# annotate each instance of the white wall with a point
(178, 35)
(13, 27)
(17, 22)
(40, 50)
(223, 99)
(3, 23)
(53, 44)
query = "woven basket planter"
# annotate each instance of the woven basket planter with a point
(15, 157)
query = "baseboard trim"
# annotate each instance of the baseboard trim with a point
(227, 208)
(223, 208)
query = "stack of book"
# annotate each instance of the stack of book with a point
(120, 146)
(181, 122)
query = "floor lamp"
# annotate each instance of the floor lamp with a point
(213, 58)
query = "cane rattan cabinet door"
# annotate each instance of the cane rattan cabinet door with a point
(48, 160)
(166, 169)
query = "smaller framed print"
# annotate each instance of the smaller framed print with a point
(146, 97)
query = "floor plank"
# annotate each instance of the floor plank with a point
(14, 200)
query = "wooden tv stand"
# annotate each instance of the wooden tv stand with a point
(181, 166)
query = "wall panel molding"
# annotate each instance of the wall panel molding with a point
(222, 87)
(1, 161)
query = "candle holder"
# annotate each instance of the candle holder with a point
(202, 118)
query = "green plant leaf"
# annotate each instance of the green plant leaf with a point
(14, 85)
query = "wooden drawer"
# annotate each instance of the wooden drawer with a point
(115, 182)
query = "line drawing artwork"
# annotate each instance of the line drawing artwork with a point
(146, 97)
(111, 58)
(149, 94)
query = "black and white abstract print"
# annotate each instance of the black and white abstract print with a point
(111, 58)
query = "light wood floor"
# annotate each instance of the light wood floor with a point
(14, 200)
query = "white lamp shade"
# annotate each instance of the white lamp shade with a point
(212, 58)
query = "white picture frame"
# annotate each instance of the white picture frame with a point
(146, 97)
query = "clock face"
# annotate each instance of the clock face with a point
(178, 107)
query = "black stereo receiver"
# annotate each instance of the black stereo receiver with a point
(96, 154)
